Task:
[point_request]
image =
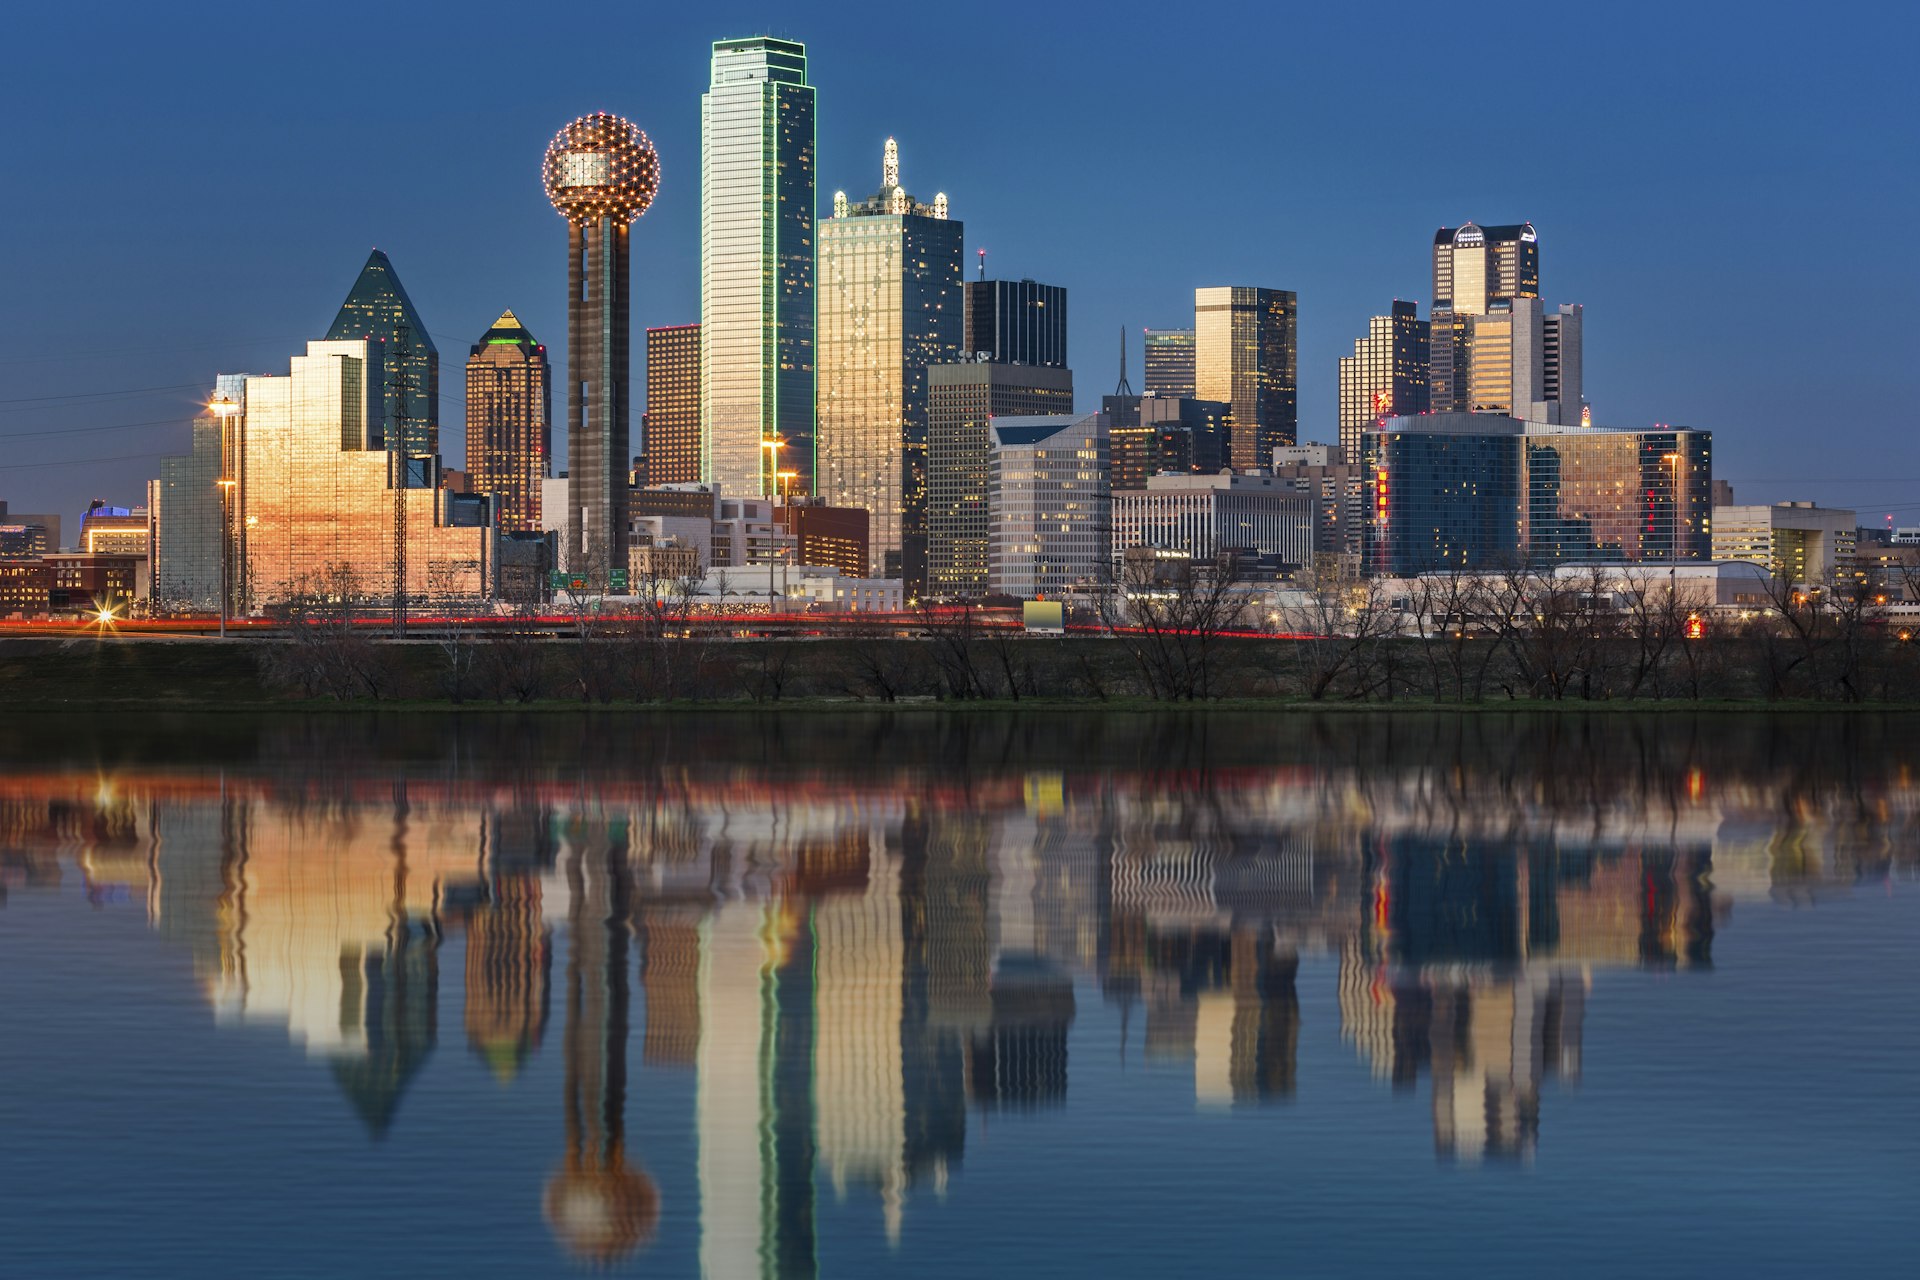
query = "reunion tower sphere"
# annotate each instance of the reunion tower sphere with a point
(601, 166)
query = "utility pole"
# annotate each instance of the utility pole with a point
(397, 463)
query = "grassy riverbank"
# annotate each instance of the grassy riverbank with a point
(1024, 674)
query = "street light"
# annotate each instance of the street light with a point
(773, 445)
(226, 550)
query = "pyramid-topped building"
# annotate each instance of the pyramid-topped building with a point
(378, 308)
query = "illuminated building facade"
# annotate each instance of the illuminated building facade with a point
(1386, 376)
(1245, 353)
(1016, 322)
(1485, 491)
(1169, 362)
(1048, 503)
(962, 400)
(1801, 542)
(890, 307)
(25, 534)
(509, 422)
(827, 535)
(110, 530)
(601, 174)
(757, 267)
(1203, 515)
(671, 424)
(314, 509)
(1152, 434)
(378, 308)
(1341, 492)
(1473, 268)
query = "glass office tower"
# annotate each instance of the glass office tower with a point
(378, 308)
(1169, 362)
(1017, 322)
(1473, 268)
(510, 422)
(890, 307)
(1245, 354)
(1385, 377)
(1486, 491)
(756, 267)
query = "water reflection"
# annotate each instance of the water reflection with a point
(855, 933)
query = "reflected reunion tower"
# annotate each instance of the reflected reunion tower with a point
(601, 173)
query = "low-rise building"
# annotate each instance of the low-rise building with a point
(1802, 541)
(1201, 516)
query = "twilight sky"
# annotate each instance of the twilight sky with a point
(191, 188)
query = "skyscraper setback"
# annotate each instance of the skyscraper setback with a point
(601, 173)
(1474, 267)
(756, 267)
(673, 405)
(889, 308)
(510, 422)
(1245, 353)
(378, 308)
(1385, 377)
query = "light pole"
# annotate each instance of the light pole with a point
(783, 488)
(223, 408)
(1673, 509)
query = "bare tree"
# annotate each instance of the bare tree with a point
(1341, 626)
(953, 634)
(1172, 618)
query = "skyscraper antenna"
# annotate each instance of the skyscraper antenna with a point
(1123, 389)
(983, 263)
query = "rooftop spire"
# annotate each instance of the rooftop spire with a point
(1123, 389)
(890, 165)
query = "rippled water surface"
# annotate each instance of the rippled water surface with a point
(836, 995)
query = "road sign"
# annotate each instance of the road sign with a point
(617, 581)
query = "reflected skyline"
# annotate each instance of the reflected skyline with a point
(855, 968)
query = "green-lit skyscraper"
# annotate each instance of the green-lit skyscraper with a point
(756, 267)
(378, 307)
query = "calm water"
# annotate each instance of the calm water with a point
(857, 995)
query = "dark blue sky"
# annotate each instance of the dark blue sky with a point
(190, 189)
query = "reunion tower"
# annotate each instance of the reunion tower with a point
(601, 173)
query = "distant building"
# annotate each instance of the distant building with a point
(1047, 487)
(1169, 362)
(1245, 353)
(1386, 376)
(671, 424)
(962, 401)
(65, 582)
(838, 537)
(24, 534)
(757, 250)
(378, 308)
(1487, 491)
(509, 423)
(890, 307)
(1341, 493)
(1473, 267)
(1799, 541)
(1016, 322)
(1202, 516)
(1151, 434)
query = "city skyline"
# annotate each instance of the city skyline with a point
(1648, 363)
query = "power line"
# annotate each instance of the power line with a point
(75, 462)
(100, 395)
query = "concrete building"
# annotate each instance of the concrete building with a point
(1801, 541)
(1204, 515)
(1049, 504)
(962, 401)
(890, 307)
(24, 534)
(670, 426)
(1341, 491)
